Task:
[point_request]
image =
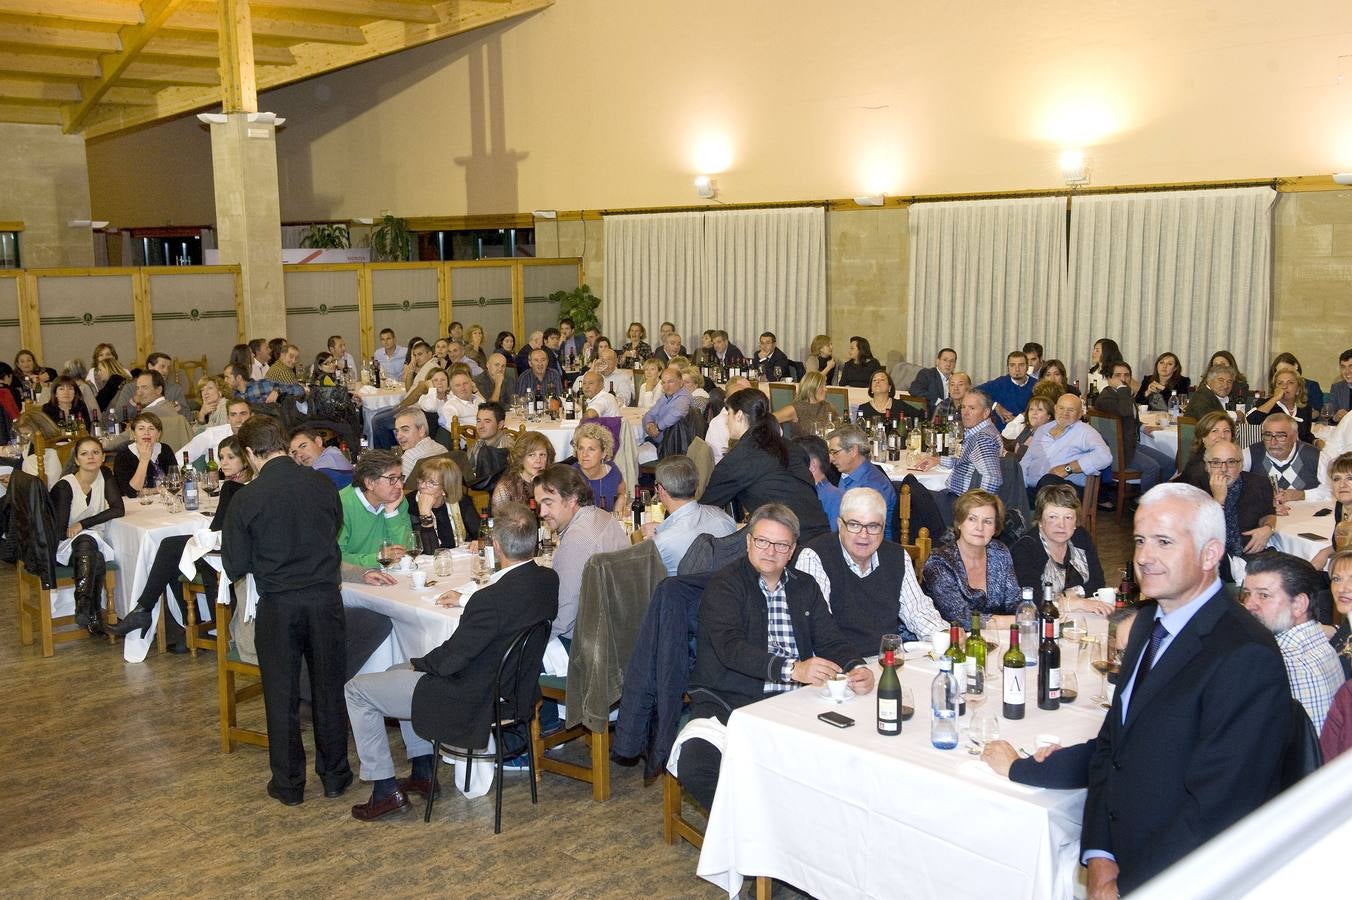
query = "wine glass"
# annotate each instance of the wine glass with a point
(386, 555)
(907, 704)
(1104, 663)
(1070, 687)
(891, 642)
(981, 731)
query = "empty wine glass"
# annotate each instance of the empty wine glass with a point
(981, 731)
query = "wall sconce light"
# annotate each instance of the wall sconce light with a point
(364, 220)
(1073, 168)
(870, 200)
(706, 187)
(1343, 178)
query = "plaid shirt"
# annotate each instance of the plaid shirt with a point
(781, 641)
(257, 391)
(1313, 668)
(980, 453)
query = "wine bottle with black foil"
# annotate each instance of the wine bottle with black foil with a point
(976, 659)
(889, 698)
(955, 653)
(1049, 610)
(1014, 697)
(636, 508)
(1048, 668)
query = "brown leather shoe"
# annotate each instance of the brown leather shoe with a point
(374, 809)
(420, 786)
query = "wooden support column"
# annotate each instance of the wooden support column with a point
(519, 304)
(366, 313)
(444, 313)
(30, 318)
(141, 308)
(239, 84)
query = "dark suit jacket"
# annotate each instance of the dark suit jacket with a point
(732, 655)
(1202, 745)
(1066, 769)
(929, 384)
(1203, 401)
(454, 703)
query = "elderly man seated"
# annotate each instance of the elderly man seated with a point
(410, 431)
(619, 382)
(598, 402)
(1213, 396)
(497, 384)
(868, 583)
(1064, 450)
(1279, 590)
(959, 383)
(677, 480)
(980, 455)
(462, 404)
(848, 449)
(1281, 455)
(448, 692)
(1248, 503)
(669, 409)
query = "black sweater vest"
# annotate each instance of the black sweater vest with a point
(864, 609)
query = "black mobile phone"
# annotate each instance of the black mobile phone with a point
(1323, 512)
(1313, 537)
(836, 719)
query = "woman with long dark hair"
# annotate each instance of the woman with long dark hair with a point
(859, 368)
(81, 503)
(67, 406)
(1165, 382)
(761, 467)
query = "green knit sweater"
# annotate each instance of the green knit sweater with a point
(359, 540)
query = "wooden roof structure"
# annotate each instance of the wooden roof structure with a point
(97, 67)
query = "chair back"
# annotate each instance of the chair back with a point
(517, 685)
(920, 550)
(915, 406)
(1089, 504)
(702, 455)
(1302, 754)
(1109, 427)
(1013, 491)
(709, 554)
(191, 370)
(903, 373)
(611, 424)
(904, 513)
(839, 398)
(781, 395)
(34, 525)
(463, 437)
(1187, 431)
(63, 447)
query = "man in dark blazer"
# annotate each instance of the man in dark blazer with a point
(1195, 736)
(447, 695)
(932, 383)
(763, 629)
(1215, 395)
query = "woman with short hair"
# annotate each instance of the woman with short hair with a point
(441, 511)
(973, 573)
(214, 409)
(594, 447)
(820, 358)
(1058, 551)
(143, 462)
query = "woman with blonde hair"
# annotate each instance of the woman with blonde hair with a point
(651, 388)
(1288, 396)
(809, 409)
(530, 455)
(214, 401)
(26, 428)
(443, 515)
(819, 358)
(594, 447)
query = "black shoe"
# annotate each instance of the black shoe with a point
(137, 618)
(337, 788)
(179, 647)
(285, 799)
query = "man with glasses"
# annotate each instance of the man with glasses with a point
(848, 449)
(1247, 501)
(1288, 462)
(374, 510)
(868, 583)
(763, 630)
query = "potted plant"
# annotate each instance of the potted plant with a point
(320, 236)
(579, 305)
(391, 241)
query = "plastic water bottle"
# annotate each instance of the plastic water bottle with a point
(945, 695)
(1174, 409)
(1026, 617)
(189, 488)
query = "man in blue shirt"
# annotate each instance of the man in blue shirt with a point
(669, 409)
(1009, 393)
(848, 449)
(390, 356)
(677, 480)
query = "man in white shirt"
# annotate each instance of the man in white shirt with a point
(342, 360)
(619, 383)
(716, 435)
(390, 356)
(599, 402)
(677, 480)
(462, 404)
(209, 438)
(410, 430)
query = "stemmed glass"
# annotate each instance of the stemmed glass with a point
(1070, 687)
(891, 642)
(1105, 663)
(980, 732)
(386, 556)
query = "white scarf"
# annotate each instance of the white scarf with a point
(1054, 574)
(82, 508)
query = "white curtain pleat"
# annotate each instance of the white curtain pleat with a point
(986, 276)
(745, 271)
(1183, 271)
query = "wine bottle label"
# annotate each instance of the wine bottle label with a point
(887, 715)
(1014, 686)
(1053, 683)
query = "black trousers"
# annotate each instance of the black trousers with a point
(304, 625)
(698, 769)
(164, 574)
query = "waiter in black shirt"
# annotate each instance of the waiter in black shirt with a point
(282, 528)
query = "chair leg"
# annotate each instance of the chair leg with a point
(469, 770)
(190, 626)
(436, 767)
(45, 620)
(109, 606)
(498, 779)
(161, 640)
(1121, 499)
(600, 763)
(536, 743)
(762, 887)
(25, 612)
(530, 759)
(671, 806)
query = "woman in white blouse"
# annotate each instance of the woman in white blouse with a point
(82, 502)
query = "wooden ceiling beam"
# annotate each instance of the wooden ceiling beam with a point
(29, 114)
(130, 96)
(209, 51)
(159, 73)
(154, 13)
(51, 37)
(267, 25)
(392, 10)
(110, 12)
(49, 64)
(27, 89)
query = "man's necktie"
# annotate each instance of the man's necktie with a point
(1157, 635)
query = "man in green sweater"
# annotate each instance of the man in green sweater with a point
(374, 510)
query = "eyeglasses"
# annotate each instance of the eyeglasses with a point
(776, 546)
(1224, 463)
(830, 452)
(392, 478)
(854, 527)
(1276, 436)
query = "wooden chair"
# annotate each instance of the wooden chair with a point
(63, 448)
(839, 398)
(191, 370)
(781, 395)
(35, 608)
(1089, 505)
(1110, 428)
(675, 825)
(195, 632)
(467, 435)
(924, 544)
(1187, 431)
(229, 667)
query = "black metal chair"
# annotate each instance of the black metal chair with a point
(518, 675)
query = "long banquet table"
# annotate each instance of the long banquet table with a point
(849, 813)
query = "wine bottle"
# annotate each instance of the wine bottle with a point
(1025, 616)
(1014, 677)
(212, 465)
(976, 659)
(1049, 610)
(636, 507)
(944, 692)
(1049, 668)
(889, 698)
(955, 653)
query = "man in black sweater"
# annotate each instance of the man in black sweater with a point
(282, 528)
(763, 630)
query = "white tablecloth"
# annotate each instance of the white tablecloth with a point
(1292, 531)
(372, 401)
(1165, 440)
(935, 479)
(560, 433)
(849, 813)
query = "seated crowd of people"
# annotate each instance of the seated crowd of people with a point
(818, 575)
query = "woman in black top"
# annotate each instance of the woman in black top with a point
(81, 502)
(1165, 382)
(443, 514)
(143, 462)
(882, 402)
(1059, 552)
(67, 405)
(761, 467)
(164, 572)
(859, 368)
(1288, 396)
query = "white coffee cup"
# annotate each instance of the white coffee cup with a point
(839, 686)
(1106, 594)
(419, 579)
(939, 641)
(405, 563)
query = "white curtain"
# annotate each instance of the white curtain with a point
(745, 271)
(986, 276)
(1186, 271)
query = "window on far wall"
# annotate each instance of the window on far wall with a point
(479, 243)
(9, 249)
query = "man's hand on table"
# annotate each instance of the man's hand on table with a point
(860, 679)
(999, 755)
(814, 670)
(377, 577)
(449, 598)
(925, 463)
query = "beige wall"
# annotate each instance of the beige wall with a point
(867, 280)
(44, 183)
(1312, 280)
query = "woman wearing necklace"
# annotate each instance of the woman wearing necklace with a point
(443, 514)
(594, 446)
(1057, 551)
(81, 503)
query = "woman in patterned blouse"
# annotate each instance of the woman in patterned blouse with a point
(974, 573)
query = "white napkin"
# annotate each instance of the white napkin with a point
(202, 542)
(710, 729)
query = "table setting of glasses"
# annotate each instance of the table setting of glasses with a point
(841, 811)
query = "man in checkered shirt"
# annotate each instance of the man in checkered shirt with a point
(763, 629)
(1279, 589)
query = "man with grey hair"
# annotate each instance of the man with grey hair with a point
(669, 409)
(848, 450)
(868, 583)
(1279, 589)
(598, 402)
(1283, 456)
(448, 693)
(1214, 395)
(981, 446)
(677, 480)
(540, 378)
(410, 431)
(763, 629)
(1198, 726)
(619, 383)
(1248, 503)
(374, 509)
